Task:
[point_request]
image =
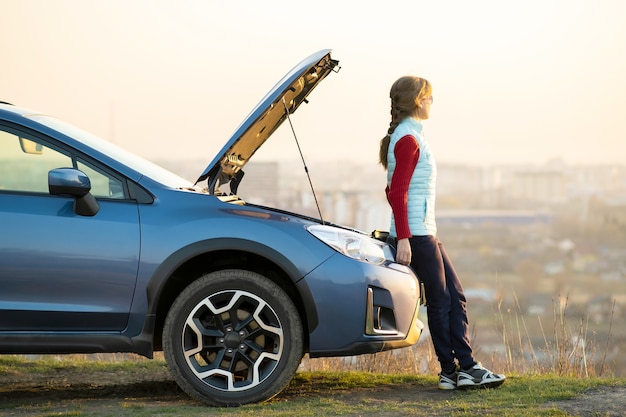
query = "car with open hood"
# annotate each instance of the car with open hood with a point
(103, 251)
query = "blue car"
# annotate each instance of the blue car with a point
(102, 251)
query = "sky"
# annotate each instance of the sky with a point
(514, 82)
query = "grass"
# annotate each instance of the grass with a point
(322, 393)
(566, 347)
(395, 383)
(79, 364)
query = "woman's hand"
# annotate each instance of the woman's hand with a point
(403, 252)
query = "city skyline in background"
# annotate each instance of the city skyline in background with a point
(480, 193)
(514, 82)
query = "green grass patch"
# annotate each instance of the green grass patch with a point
(77, 363)
(309, 393)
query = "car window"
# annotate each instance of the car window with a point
(102, 184)
(25, 162)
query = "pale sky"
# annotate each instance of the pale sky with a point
(514, 81)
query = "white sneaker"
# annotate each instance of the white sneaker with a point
(478, 377)
(447, 381)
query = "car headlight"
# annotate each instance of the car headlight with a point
(352, 244)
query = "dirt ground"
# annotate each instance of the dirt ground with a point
(22, 395)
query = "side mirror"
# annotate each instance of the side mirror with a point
(75, 183)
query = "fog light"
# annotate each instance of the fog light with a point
(380, 319)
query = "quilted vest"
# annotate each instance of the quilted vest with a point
(421, 194)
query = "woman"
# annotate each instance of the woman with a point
(411, 177)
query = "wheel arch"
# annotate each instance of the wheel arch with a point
(193, 261)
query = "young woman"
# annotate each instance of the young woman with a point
(411, 177)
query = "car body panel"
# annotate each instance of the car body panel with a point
(281, 239)
(63, 272)
(342, 298)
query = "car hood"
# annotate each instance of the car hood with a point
(267, 116)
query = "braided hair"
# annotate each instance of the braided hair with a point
(405, 93)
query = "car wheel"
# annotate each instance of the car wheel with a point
(233, 337)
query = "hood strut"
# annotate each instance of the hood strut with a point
(306, 170)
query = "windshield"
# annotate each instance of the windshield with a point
(125, 157)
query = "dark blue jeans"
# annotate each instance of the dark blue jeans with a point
(446, 303)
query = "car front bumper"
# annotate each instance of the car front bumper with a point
(362, 308)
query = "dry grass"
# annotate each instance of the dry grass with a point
(567, 350)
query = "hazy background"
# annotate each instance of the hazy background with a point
(514, 81)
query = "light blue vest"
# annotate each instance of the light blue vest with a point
(421, 198)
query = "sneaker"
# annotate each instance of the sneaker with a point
(447, 381)
(478, 377)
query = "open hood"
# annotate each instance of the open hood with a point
(265, 118)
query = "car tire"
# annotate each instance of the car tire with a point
(233, 337)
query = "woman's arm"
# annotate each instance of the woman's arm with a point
(407, 154)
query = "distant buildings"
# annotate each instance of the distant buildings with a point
(353, 194)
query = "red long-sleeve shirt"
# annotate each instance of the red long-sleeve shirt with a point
(407, 154)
